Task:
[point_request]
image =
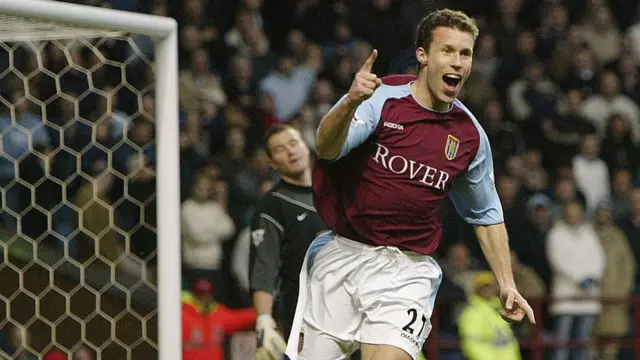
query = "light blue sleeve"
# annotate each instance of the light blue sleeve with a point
(367, 116)
(474, 193)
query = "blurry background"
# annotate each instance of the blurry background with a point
(555, 84)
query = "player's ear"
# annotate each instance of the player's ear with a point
(421, 55)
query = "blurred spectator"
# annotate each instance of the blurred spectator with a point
(591, 173)
(55, 355)
(206, 324)
(575, 281)
(198, 13)
(518, 51)
(205, 226)
(629, 72)
(458, 281)
(617, 282)
(564, 192)
(619, 150)
(564, 133)
(199, 83)
(621, 185)
(83, 353)
(20, 135)
(240, 85)
(533, 288)
(246, 38)
(505, 138)
(510, 198)
(306, 123)
(634, 35)
(582, 76)
(324, 97)
(602, 35)
(486, 60)
(630, 225)
(289, 86)
(242, 179)
(95, 218)
(342, 43)
(599, 107)
(483, 333)
(533, 97)
(19, 339)
(528, 235)
(118, 119)
(536, 178)
(553, 30)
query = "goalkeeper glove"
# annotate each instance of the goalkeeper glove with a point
(262, 354)
(269, 338)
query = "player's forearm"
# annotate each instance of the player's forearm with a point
(262, 302)
(495, 246)
(334, 128)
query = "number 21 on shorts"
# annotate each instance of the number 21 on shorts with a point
(413, 314)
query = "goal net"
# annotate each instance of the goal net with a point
(85, 120)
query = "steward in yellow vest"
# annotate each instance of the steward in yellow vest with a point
(484, 334)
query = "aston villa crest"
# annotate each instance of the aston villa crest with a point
(451, 147)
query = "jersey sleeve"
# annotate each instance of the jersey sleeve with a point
(365, 120)
(267, 232)
(474, 193)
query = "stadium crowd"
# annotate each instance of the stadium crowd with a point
(555, 84)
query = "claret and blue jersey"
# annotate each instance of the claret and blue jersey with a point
(399, 163)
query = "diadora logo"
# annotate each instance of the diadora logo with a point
(393, 126)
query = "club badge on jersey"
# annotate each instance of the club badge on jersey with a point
(451, 147)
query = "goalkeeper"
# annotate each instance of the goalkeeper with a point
(284, 224)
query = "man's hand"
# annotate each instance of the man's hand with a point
(262, 354)
(365, 82)
(268, 337)
(514, 306)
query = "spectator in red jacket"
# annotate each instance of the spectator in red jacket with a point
(55, 355)
(205, 323)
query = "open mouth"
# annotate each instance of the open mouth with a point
(451, 81)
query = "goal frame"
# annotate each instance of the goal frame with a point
(164, 32)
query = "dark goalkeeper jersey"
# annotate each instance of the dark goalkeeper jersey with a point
(284, 225)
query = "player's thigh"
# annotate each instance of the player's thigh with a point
(317, 345)
(383, 352)
(329, 305)
(398, 302)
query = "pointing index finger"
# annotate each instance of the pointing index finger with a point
(529, 311)
(368, 64)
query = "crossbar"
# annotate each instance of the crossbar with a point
(90, 16)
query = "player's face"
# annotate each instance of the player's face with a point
(289, 153)
(448, 63)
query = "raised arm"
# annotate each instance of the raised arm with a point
(334, 127)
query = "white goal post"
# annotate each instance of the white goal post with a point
(38, 18)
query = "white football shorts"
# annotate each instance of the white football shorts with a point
(358, 294)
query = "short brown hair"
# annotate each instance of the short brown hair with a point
(444, 18)
(274, 130)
